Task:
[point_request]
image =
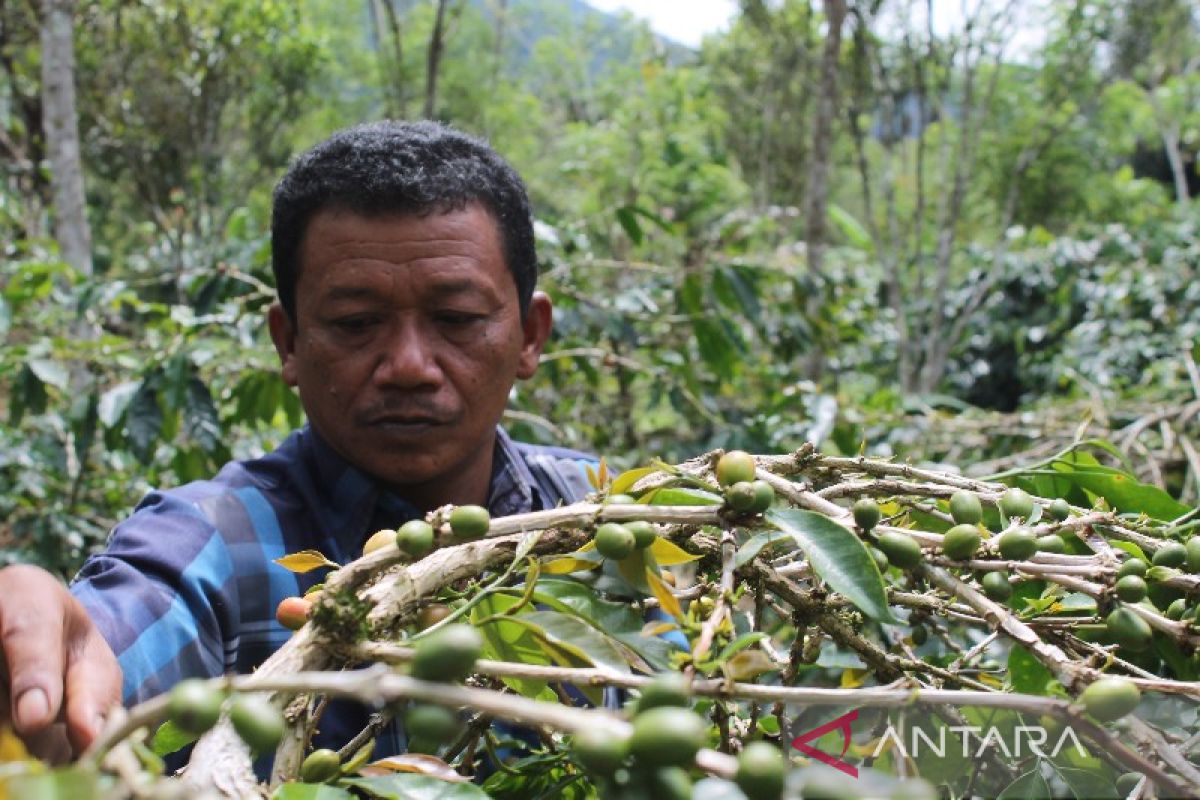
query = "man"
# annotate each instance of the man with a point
(405, 266)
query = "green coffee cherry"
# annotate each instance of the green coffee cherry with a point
(761, 771)
(668, 689)
(1171, 554)
(599, 750)
(1051, 543)
(1016, 503)
(667, 737)
(1017, 544)
(965, 508)
(866, 513)
(741, 496)
(961, 542)
(258, 722)
(996, 586)
(621, 499)
(448, 654)
(320, 766)
(764, 496)
(614, 541)
(1127, 782)
(1132, 566)
(1129, 630)
(194, 705)
(431, 724)
(901, 549)
(1059, 509)
(469, 522)
(919, 634)
(643, 532)
(881, 561)
(1109, 699)
(736, 466)
(1131, 588)
(1176, 609)
(415, 538)
(1192, 547)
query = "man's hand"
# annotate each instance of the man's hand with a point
(61, 676)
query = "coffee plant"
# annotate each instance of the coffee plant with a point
(1059, 603)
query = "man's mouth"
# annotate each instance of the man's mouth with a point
(403, 421)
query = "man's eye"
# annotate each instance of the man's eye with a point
(354, 324)
(458, 317)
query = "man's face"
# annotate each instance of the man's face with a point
(407, 339)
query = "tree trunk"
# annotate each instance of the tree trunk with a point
(61, 127)
(818, 182)
(434, 60)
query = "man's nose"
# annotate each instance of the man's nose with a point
(407, 357)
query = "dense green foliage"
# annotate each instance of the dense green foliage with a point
(1007, 282)
(666, 183)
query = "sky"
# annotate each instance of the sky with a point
(685, 21)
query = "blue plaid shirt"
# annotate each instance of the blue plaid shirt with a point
(187, 586)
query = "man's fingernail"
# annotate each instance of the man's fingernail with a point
(32, 707)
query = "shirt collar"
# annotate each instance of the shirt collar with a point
(353, 504)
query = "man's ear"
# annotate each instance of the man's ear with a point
(539, 319)
(283, 334)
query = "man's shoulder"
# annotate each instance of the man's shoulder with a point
(559, 472)
(238, 486)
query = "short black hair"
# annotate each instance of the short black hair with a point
(390, 167)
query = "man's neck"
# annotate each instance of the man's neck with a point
(470, 484)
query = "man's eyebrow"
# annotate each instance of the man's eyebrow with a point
(441, 288)
(350, 293)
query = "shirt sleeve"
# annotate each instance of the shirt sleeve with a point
(162, 595)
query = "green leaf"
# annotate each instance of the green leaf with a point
(201, 422)
(629, 477)
(839, 557)
(633, 569)
(1030, 786)
(144, 420)
(1085, 784)
(410, 786)
(629, 222)
(169, 738)
(681, 496)
(50, 372)
(60, 784)
(114, 402)
(1122, 491)
(506, 640)
(1027, 674)
(617, 620)
(715, 345)
(572, 634)
(741, 643)
(850, 228)
(310, 791)
(754, 545)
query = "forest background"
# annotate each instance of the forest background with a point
(861, 224)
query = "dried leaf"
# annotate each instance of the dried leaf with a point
(566, 565)
(628, 478)
(668, 554)
(662, 591)
(305, 561)
(414, 762)
(748, 665)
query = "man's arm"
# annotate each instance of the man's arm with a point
(61, 674)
